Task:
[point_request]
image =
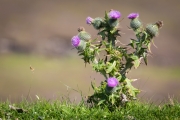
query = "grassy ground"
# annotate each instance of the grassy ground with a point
(46, 110)
(50, 75)
(48, 79)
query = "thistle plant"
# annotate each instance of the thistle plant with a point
(113, 60)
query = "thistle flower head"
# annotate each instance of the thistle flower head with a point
(75, 41)
(113, 14)
(89, 20)
(133, 15)
(112, 82)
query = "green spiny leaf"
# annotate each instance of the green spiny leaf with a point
(93, 85)
(113, 99)
(132, 43)
(117, 33)
(111, 67)
(149, 47)
(101, 102)
(113, 30)
(145, 57)
(145, 35)
(103, 34)
(134, 57)
(136, 63)
(106, 16)
(132, 90)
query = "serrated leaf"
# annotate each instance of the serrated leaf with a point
(145, 58)
(101, 102)
(133, 40)
(113, 99)
(111, 67)
(103, 34)
(81, 54)
(132, 43)
(134, 57)
(113, 30)
(117, 33)
(104, 74)
(106, 15)
(119, 77)
(94, 40)
(132, 90)
(145, 35)
(118, 88)
(136, 63)
(93, 85)
(149, 47)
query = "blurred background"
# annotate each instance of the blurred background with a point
(37, 34)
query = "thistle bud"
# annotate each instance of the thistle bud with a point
(83, 35)
(82, 45)
(89, 20)
(135, 22)
(152, 30)
(133, 15)
(75, 41)
(78, 43)
(110, 90)
(97, 23)
(112, 83)
(113, 14)
(113, 22)
(113, 18)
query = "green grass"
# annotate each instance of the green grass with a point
(47, 78)
(57, 110)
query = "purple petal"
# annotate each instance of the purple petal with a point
(113, 14)
(75, 41)
(133, 15)
(89, 20)
(112, 82)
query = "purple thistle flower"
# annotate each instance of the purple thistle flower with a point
(112, 82)
(89, 20)
(133, 15)
(113, 14)
(75, 41)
